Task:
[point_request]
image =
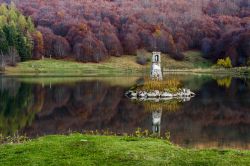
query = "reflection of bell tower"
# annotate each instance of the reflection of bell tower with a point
(156, 122)
(156, 72)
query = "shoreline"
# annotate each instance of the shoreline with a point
(237, 71)
(115, 66)
(242, 70)
(232, 72)
(63, 68)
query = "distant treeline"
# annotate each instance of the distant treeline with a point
(93, 30)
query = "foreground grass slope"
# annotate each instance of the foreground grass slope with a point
(80, 149)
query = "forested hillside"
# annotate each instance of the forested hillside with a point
(93, 30)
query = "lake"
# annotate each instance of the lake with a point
(217, 117)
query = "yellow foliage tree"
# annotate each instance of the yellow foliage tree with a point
(226, 63)
(22, 22)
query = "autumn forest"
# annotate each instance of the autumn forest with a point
(93, 30)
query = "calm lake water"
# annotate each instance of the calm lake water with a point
(218, 116)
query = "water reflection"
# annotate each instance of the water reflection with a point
(18, 105)
(158, 107)
(224, 81)
(219, 116)
(156, 122)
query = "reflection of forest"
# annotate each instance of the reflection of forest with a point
(18, 105)
(218, 116)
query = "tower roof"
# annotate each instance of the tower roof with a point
(156, 53)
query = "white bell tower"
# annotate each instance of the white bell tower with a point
(156, 72)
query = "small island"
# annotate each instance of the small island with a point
(155, 88)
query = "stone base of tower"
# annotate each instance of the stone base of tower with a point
(156, 73)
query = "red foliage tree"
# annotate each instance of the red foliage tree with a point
(90, 50)
(61, 47)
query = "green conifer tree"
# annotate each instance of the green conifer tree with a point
(11, 35)
(23, 47)
(15, 33)
(3, 43)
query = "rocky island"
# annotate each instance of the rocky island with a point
(156, 88)
(181, 93)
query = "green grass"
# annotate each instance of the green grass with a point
(192, 59)
(120, 66)
(113, 66)
(80, 149)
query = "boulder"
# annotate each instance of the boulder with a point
(182, 94)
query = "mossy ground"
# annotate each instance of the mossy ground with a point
(80, 149)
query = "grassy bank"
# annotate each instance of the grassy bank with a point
(80, 149)
(120, 66)
(195, 63)
(236, 71)
(192, 60)
(114, 66)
